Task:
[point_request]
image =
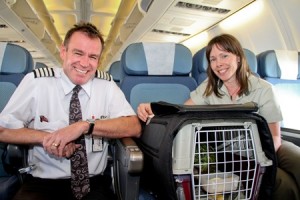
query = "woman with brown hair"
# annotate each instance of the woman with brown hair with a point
(230, 81)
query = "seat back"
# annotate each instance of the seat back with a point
(15, 63)
(116, 71)
(251, 59)
(200, 64)
(40, 65)
(148, 78)
(157, 72)
(275, 67)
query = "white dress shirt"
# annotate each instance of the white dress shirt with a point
(43, 104)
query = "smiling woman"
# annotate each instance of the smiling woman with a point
(227, 73)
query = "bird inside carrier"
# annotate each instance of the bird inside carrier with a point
(219, 160)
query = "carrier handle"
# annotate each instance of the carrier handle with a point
(165, 108)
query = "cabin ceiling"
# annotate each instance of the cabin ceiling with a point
(40, 25)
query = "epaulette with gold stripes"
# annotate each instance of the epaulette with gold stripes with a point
(103, 75)
(43, 72)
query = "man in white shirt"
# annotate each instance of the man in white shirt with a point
(38, 115)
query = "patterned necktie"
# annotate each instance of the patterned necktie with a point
(80, 182)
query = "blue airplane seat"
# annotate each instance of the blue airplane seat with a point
(15, 62)
(252, 60)
(200, 64)
(282, 69)
(116, 71)
(157, 72)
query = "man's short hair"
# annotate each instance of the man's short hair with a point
(84, 27)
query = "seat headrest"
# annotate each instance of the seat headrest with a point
(199, 62)
(251, 59)
(156, 59)
(269, 65)
(14, 59)
(115, 70)
(40, 65)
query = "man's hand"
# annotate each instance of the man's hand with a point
(68, 150)
(57, 143)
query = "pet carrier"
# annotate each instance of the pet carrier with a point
(224, 158)
(208, 152)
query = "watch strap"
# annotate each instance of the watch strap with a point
(91, 127)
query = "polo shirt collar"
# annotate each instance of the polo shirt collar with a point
(253, 85)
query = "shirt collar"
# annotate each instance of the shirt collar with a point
(68, 85)
(253, 85)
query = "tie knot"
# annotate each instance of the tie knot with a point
(76, 89)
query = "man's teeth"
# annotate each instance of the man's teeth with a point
(81, 71)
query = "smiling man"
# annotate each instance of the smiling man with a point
(57, 112)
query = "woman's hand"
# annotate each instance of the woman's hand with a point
(144, 111)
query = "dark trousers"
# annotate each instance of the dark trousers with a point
(49, 189)
(288, 172)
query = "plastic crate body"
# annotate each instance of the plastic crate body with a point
(224, 159)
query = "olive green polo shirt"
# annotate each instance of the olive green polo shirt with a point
(260, 92)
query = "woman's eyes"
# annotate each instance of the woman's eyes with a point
(221, 57)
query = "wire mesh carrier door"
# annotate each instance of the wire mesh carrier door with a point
(224, 159)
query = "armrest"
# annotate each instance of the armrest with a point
(15, 157)
(128, 163)
(130, 155)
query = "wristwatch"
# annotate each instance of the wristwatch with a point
(91, 126)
